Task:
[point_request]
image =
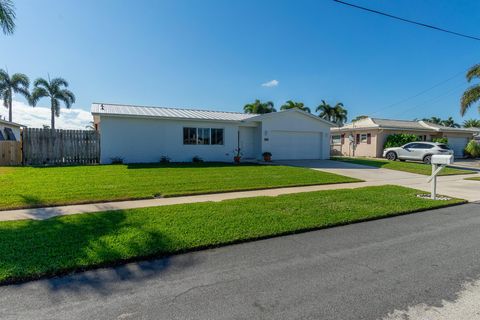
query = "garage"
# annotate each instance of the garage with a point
(289, 145)
(458, 145)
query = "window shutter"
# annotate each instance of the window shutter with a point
(343, 139)
(369, 138)
(357, 139)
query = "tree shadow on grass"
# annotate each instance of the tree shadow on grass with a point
(59, 246)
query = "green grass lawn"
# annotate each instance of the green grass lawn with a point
(412, 167)
(30, 249)
(22, 187)
(475, 178)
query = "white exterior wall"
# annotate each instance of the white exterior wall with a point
(140, 140)
(296, 122)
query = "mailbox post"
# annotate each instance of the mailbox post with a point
(438, 163)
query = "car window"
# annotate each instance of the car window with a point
(409, 145)
(424, 146)
(444, 147)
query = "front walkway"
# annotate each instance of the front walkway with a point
(454, 186)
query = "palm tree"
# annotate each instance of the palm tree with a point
(327, 112)
(336, 114)
(434, 120)
(295, 105)
(259, 107)
(450, 123)
(54, 89)
(17, 83)
(472, 123)
(7, 16)
(472, 94)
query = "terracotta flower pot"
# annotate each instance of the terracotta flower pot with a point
(236, 159)
(267, 158)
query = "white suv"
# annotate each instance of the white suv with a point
(421, 151)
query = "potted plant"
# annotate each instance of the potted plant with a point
(237, 156)
(267, 156)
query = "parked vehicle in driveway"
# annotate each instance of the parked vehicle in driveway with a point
(420, 151)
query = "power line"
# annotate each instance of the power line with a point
(418, 94)
(408, 21)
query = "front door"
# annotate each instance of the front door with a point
(246, 142)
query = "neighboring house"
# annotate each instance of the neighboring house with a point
(9, 131)
(366, 137)
(144, 134)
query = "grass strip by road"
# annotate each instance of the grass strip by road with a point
(31, 249)
(474, 178)
(412, 167)
(26, 187)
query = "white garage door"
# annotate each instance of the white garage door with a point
(457, 144)
(290, 145)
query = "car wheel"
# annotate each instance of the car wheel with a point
(427, 159)
(392, 156)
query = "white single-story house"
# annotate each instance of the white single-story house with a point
(10, 131)
(140, 134)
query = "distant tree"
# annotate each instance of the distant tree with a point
(7, 16)
(450, 123)
(434, 120)
(54, 89)
(295, 105)
(17, 83)
(359, 118)
(471, 123)
(259, 107)
(90, 126)
(472, 94)
(336, 114)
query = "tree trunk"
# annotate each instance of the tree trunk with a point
(10, 107)
(52, 123)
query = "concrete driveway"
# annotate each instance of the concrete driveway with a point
(454, 186)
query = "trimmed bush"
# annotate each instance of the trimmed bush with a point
(473, 149)
(398, 140)
(440, 140)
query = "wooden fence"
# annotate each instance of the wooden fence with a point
(10, 153)
(46, 146)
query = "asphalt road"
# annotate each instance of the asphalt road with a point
(361, 271)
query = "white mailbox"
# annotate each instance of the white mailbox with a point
(442, 159)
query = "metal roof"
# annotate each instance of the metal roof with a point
(8, 123)
(404, 124)
(162, 112)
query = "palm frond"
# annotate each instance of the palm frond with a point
(4, 76)
(40, 82)
(37, 94)
(470, 96)
(58, 82)
(20, 79)
(7, 16)
(67, 97)
(473, 72)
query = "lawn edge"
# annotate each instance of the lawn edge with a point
(175, 195)
(154, 256)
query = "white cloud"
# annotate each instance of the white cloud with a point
(36, 117)
(271, 83)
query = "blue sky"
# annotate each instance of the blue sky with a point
(216, 54)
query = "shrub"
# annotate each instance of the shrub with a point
(440, 140)
(164, 159)
(197, 159)
(267, 154)
(397, 140)
(473, 149)
(116, 160)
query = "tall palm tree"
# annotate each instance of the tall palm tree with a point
(450, 122)
(472, 94)
(54, 89)
(7, 16)
(336, 114)
(327, 112)
(471, 123)
(295, 105)
(259, 107)
(17, 83)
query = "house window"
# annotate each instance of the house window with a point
(202, 136)
(189, 135)
(217, 136)
(363, 138)
(336, 139)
